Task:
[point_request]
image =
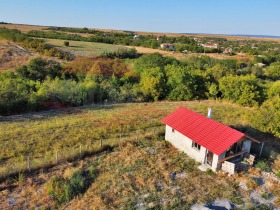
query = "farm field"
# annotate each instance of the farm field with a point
(83, 49)
(131, 170)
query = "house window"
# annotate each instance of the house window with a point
(196, 145)
(173, 131)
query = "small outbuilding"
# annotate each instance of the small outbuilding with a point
(209, 142)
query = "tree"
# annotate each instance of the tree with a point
(241, 89)
(39, 69)
(14, 95)
(267, 117)
(273, 71)
(274, 90)
(153, 83)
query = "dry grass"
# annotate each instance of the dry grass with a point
(135, 173)
(23, 27)
(182, 56)
(12, 55)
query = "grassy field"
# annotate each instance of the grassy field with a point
(40, 135)
(83, 49)
(133, 173)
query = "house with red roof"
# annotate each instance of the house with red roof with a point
(209, 142)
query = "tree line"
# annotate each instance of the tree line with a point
(151, 77)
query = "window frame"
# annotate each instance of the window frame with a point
(196, 145)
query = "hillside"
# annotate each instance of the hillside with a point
(133, 168)
(12, 55)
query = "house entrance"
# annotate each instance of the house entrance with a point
(209, 158)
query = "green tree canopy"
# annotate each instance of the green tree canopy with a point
(241, 89)
(267, 117)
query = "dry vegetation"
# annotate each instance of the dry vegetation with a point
(12, 55)
(134, 173)
(182, 56)
(23, 27)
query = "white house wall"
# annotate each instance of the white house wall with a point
(184, 144)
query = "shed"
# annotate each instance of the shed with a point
(204, 139)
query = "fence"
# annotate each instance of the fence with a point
(60, 156)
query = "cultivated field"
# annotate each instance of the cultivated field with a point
(83, 49)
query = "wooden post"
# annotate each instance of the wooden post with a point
(56, 156)
(80, 150)
(154, 130)
(120, 137)
(261, 149)
(28, 164)
(100, 143)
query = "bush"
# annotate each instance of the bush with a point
(263, 165)
(63, 190)
(77, 184)
(59, 190)
(66, 43)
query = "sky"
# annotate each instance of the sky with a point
(253, 17)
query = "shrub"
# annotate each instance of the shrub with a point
(66, 43)
(263, 165)
(77, 184)
(59, 190)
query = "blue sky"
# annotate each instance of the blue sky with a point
(182, 16)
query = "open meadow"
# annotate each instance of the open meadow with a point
(39, 135)
(83, 49)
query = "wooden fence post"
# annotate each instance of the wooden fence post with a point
(80, 150)
(56, 156)
(100, 143)
(28, 164)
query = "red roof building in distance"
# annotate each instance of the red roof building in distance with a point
(202, 138)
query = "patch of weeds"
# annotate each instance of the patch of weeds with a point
(59, 190)
(263, 165)
(237, 200)
(63, 190)
(21, 178)
(179, 204)
(266, 196)
(130, 204)
(277, 174)
(209, 172)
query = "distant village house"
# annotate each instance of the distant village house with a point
(210, 45)
(167, 46)
(214, 145)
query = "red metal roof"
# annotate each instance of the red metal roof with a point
(208, 133)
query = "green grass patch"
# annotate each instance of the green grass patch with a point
(83, 49)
